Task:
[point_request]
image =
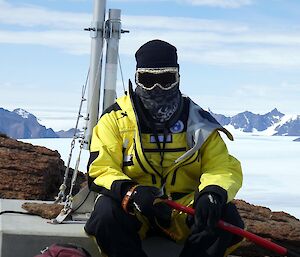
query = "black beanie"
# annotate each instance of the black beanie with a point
(156, 54)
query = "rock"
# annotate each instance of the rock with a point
(46, 211)
(31, 172)
(279, 227)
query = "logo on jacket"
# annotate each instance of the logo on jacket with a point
(177, 127)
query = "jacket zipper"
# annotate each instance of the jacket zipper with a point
(142, 166)
(138, 128)
(185, 164)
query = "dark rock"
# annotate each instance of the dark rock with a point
(279, 227)
(31, 172)
(3, 135)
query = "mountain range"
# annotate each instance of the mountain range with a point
(273, 123)
(22, 124)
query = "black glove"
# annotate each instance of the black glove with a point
(208, 211)
(208, 206)
(143, 199)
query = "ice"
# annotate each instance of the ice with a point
(271, 171)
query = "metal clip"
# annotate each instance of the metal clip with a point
(93, 29)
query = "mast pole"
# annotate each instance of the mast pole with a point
(93, 100)
(112, 36)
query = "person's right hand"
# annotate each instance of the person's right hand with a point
(143, 199)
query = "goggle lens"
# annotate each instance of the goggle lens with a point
(165, 78)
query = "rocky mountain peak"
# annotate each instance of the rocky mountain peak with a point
(275, 122)
(23, 113)
(275, 112)
(22, 124)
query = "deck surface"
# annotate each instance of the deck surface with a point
(25, 235)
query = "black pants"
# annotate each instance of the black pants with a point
(117, 232)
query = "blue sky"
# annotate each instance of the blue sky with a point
(234, 55)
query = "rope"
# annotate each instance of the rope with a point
(18, 212)
(120, 65)
(69, 198)
(61, 195)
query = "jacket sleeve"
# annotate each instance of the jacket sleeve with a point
(106, 159)
(220, 170)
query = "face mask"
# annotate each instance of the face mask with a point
(161, 104)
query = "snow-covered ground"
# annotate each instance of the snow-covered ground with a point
(271, 167)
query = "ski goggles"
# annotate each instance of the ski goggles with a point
(164, 78)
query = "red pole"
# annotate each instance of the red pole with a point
(238, 231)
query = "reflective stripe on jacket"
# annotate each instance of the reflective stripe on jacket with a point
(117, 154)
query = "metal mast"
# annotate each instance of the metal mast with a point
(82, 202)
(93, 99)
(112, 35)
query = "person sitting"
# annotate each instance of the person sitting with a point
(156, 143)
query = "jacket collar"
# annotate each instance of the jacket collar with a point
(200, 126)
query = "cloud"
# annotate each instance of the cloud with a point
(209, 3)
(273, 57)
(225, 48)
(204, 41)
(219, 3)
(143, 1)
(32, 16)
(255, 97)
(71, 42)
(181, 24)
(276, 91)
(234, 104)
(10, 99)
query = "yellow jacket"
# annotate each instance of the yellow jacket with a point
(117, 154)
